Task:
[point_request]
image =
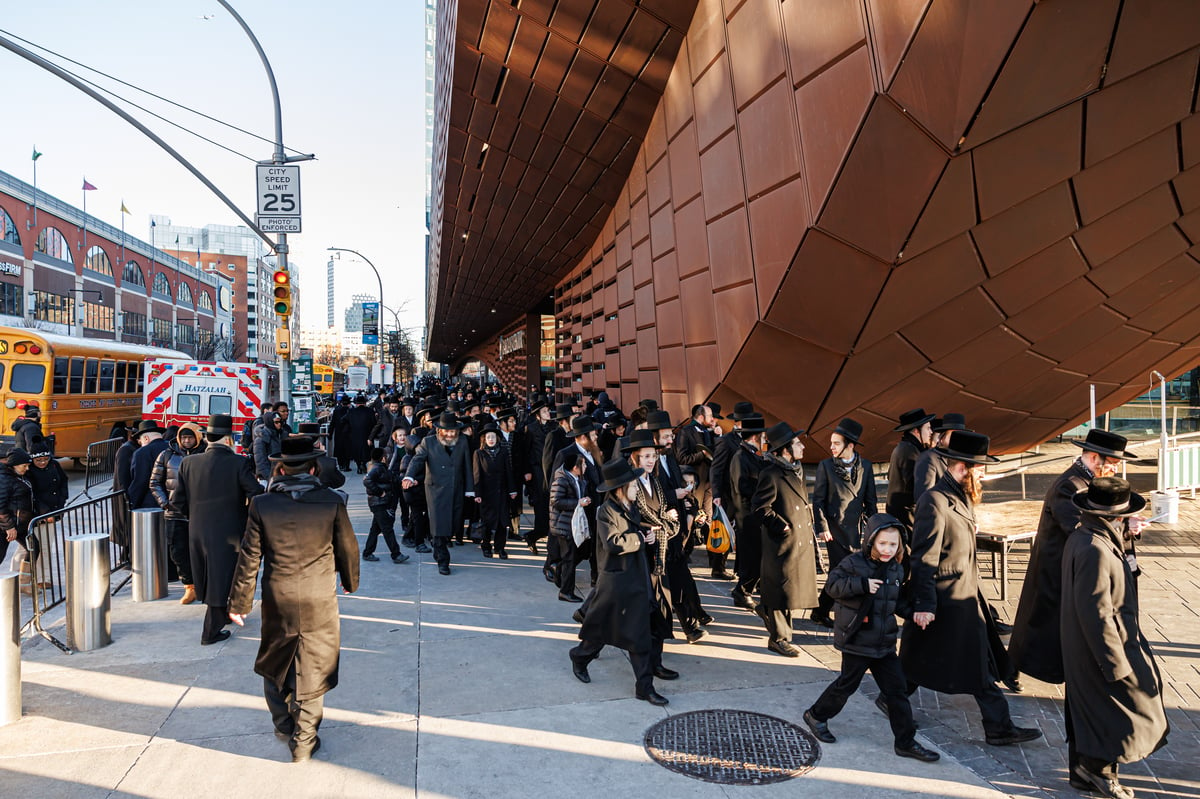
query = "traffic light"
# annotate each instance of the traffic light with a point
(283, 293)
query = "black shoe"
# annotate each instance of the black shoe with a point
(303, 756)
(580, 671)
(531, 542)
(216, 639)
(917, 752)
(705, 620)
(578, 616)
(424, 550)
(721, 574)
(742, 599)
(487, 553)
(1080, 784)
(1013, 684)
(371, 558)
(663, 673)
(548, 573)
(443, 569)
(821, 619)
(697, 635)
(399, 557)
(407, 542)
(572, 597)
(1014, 735)
(819, 728)
(502, 555)
(784, 648)
(1108, 786)
(653, 697)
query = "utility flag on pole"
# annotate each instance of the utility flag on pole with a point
(88, 186)
(124, 210)
(36, 154)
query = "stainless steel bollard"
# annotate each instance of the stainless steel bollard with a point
(148, 554)
(89, 623)
(10, 648)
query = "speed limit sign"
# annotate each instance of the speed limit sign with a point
(278, 198)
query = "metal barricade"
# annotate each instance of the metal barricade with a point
(106, 515)
(10, 649)
(148, 554)
(89, 623)
(100, 464)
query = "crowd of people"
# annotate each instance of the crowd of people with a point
(633, 496)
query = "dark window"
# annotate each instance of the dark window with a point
(141, 376)
(61, 369)
(10, 299)
(77, 375)
(89, 376)
(107, 369)
(132, 274)
(28, 378)
(8, 229)
(122, 370)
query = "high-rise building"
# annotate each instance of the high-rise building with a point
(354, 312)
(330, 293)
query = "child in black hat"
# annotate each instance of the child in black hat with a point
(382, 489)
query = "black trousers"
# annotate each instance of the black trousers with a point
(418, 524)
(553, 552)
(177, 546)
(889, 676)
(441, 549)
(383, 520)
(644, 663)
(1075, 758)
(993, 708)
(569, 558)
(298, 718)
(540, 500)
(777, 622)
(402, 504)
(214, 621)
(685, 596)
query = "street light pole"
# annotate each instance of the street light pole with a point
(379, 345)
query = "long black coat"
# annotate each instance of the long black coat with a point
(1114, 689)
(555, 441)
(789, 556)
(953, 653)
(745, 467)
(842, 507)
(302, 536)
(448, 479)
(694, 447)
(142, 466)
(900, 498)
(1036, 645)
(928, 469)
(494, 481)
(621, 612)
(341, 432)
(213, 491)
(360, 421)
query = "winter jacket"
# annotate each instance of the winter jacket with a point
(16, 501)
(164, 477)
(865, 623)
(383, 486)
(24, 431)
(267, 442)
(564, 497)
(49, 487)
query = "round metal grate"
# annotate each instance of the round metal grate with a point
(732, 747)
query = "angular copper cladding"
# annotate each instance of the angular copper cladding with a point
(841, 208)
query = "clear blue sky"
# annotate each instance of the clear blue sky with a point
(351, 81)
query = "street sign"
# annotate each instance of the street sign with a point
(302, 375)
(278, 198)
(370, 323)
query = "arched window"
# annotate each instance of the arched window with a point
(185, 293)
(8, 229)
(205, 301)
(53, 243)
(132, 275)
(162, 285)
(97, 261)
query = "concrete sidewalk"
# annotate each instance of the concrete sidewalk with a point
(460, 686)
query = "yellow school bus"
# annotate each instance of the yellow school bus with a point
(87, 389)
(327, 380)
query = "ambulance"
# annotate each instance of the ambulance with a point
(178, 391)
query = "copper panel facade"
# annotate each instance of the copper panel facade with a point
(844, 209)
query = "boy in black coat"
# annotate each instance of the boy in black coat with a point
(866, 586)
(382, 489)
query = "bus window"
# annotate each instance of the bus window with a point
(77, 375)
(141, 376)
(107, 368)
(219, 403)
(122, 370)
(28, 378)
(89, 376)
(187, 404)
(62, 368)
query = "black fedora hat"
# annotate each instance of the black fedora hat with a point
(1109, 496)
(849, 430)
(219, 425)
(616, 473)
(967, 446)
(562, 410)
(507, 413)
(448, 421)
(950, 421)
(537, 406)
(148, 426)
(649, 404)
(910, 420)
(490, 427)
(295, 449)
(715, 407)
(581, 426)
(658, 420)
(359, 399)
(638, 439)
(1110, 445)
(741, 410)
(780, 435)
(753, 423)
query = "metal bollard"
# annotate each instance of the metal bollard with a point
(89, 623)
(10, 648)
(148, 554)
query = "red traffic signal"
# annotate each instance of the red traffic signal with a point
(283, 293)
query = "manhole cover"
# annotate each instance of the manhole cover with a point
(732, 747)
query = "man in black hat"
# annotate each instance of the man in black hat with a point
(443, 462)
(843, 500)
(327, 468)
(301, 529)
(387, 417)
(737, 497)
(1114, 691)
(1036, 644)
(360, 421)
(952, 645)
(150, 446)
(917, 430)
(339, 427)
(212, 491)
(694, 447)
(584, 435)
(558, 436)
(930, 467)
(727, 445)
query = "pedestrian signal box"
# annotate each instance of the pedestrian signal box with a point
(283, 293)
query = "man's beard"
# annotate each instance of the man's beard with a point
(447, 439)
(972, 486)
